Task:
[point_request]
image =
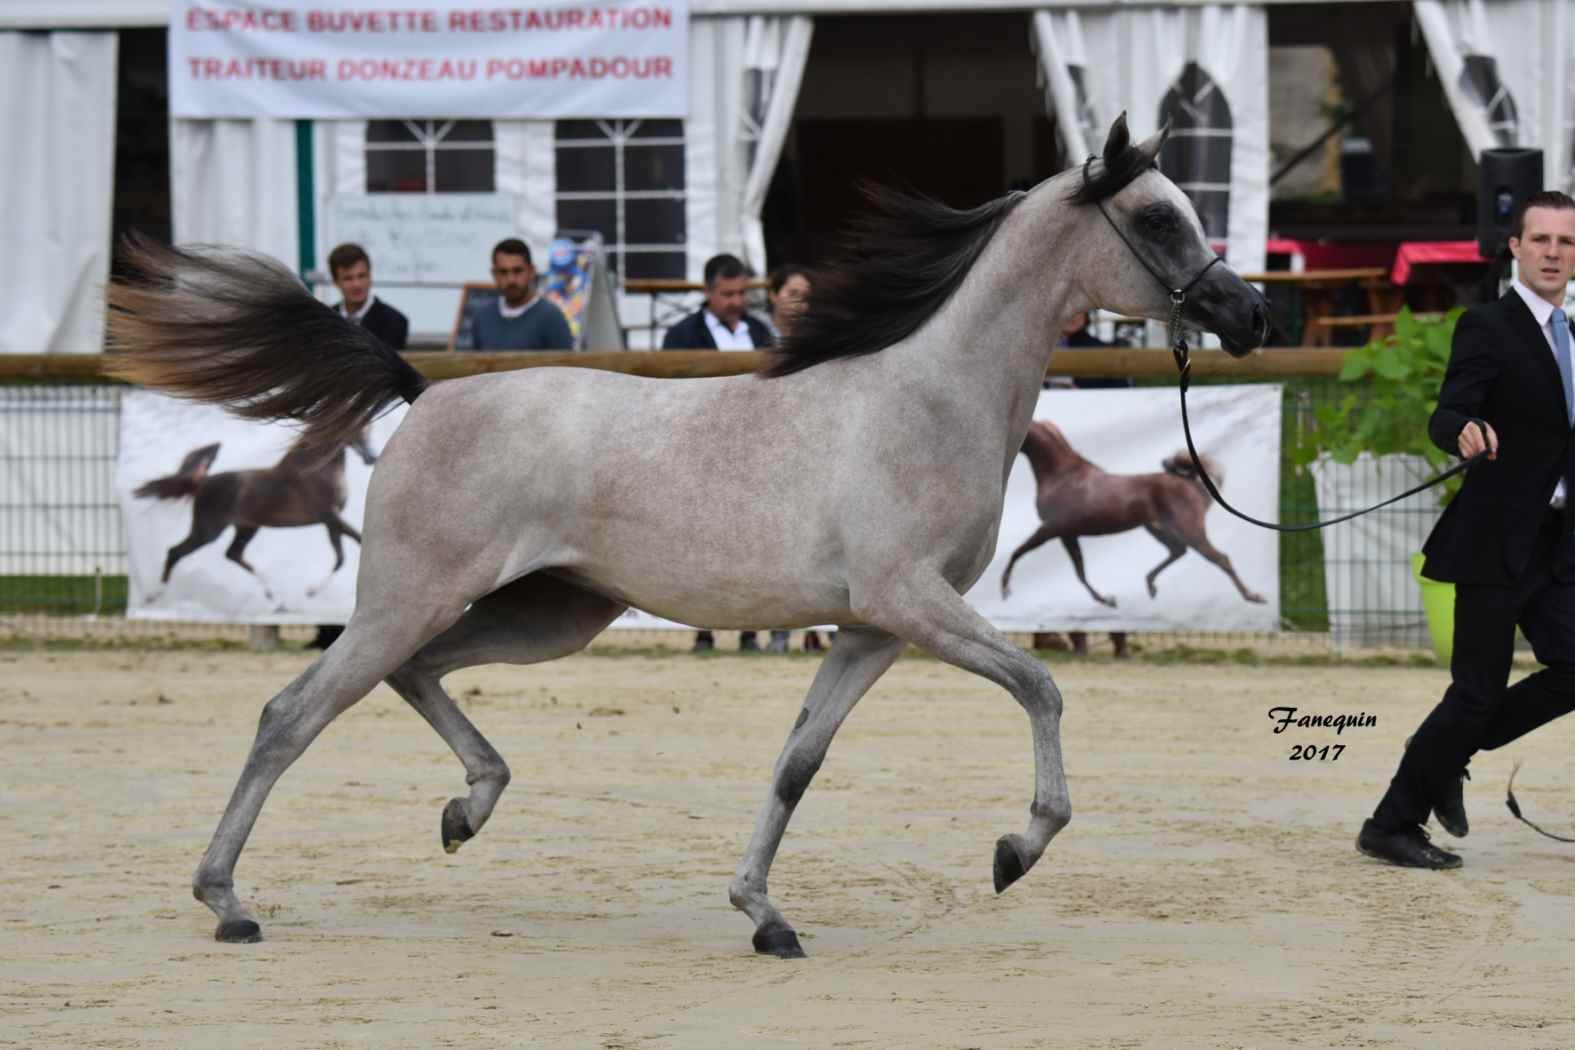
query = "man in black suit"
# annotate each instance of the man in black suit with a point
(1505, 540)
(721, 324)
(351, 271)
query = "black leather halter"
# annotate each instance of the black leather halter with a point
(1181, 352)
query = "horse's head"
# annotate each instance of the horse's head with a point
(1147, 247)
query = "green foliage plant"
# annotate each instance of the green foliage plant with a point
(1392, 387)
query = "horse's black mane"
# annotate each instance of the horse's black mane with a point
(902, 260)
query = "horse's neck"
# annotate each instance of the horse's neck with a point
(988, 347)
(298, 461)
(1049, 453)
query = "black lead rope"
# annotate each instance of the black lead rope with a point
(1514, 807)
(1184, 365)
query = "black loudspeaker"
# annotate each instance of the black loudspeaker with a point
(1507, 178)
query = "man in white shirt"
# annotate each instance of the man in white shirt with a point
(1506, 541)
(723, 322)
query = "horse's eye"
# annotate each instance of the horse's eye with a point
(1158, 222)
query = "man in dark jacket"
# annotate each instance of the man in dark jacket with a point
(351, 271)
(722, 323)
(1505, 540)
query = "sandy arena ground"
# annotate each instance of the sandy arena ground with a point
(1206, 893)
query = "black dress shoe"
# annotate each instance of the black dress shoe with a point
(1408, 847)
(1450, 806)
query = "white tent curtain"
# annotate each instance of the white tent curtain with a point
(233, 182)
(714, 175)
(58, 187)
(1508, 71)
(775, 53)
(1063, 70)
(1214, 56)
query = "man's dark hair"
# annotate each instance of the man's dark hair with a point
(785, 273)
(512, 246)
(346, 256)
(1542, 199)
(723, 266)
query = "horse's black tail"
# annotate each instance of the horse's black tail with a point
(182, 484)
(239, 330)
(1180, 464)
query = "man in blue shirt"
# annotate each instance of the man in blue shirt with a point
(522, 320)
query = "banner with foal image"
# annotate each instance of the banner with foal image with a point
(1105, 479)
(226, 522)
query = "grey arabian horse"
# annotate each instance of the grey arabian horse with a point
(513, 516)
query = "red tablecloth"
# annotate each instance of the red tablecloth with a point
(1334, 255)
(1415, 253)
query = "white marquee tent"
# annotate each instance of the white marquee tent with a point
(1506, 67)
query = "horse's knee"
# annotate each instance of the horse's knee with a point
(798, 769)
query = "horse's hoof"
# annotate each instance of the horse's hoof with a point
(1008, 865)
(778, 940)
(238, 931)
(456, 828)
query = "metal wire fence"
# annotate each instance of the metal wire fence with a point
(63, 562)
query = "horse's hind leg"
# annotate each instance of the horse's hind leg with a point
(1202, 545)
(202, 533)
(377, 640)
(533, 619)
(929, 612)
(861, 655)
(337, 527)
(1175, 549)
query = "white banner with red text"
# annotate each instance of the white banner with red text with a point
(348, 59)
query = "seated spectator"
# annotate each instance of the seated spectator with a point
(787, 290)
(351, 271)
(722, 323)
(523, 320)
(350, 268)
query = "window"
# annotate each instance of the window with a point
(1480, 82)
(429, 156)
(625, 179)
(1196, 156)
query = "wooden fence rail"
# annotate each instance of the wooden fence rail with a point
(1305, 362)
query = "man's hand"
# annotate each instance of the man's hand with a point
(1475, 437)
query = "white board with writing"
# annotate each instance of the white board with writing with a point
(438, 237)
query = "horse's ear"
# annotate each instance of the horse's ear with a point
(1118, 140)
(1151, 146)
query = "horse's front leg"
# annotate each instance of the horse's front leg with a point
(861, 656)
(1075, 552)
(1041, 535)
(929, 612)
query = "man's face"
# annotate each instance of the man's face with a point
(355, 284)
(514, 276)
(724, 297)
(1545, 250)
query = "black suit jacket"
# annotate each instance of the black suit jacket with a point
(385, 322)
(692, 333)
(1502, 371)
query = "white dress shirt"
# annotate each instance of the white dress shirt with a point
(1542, 311)
(726, 340)
(359, 315)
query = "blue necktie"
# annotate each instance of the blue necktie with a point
(1561, 349)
